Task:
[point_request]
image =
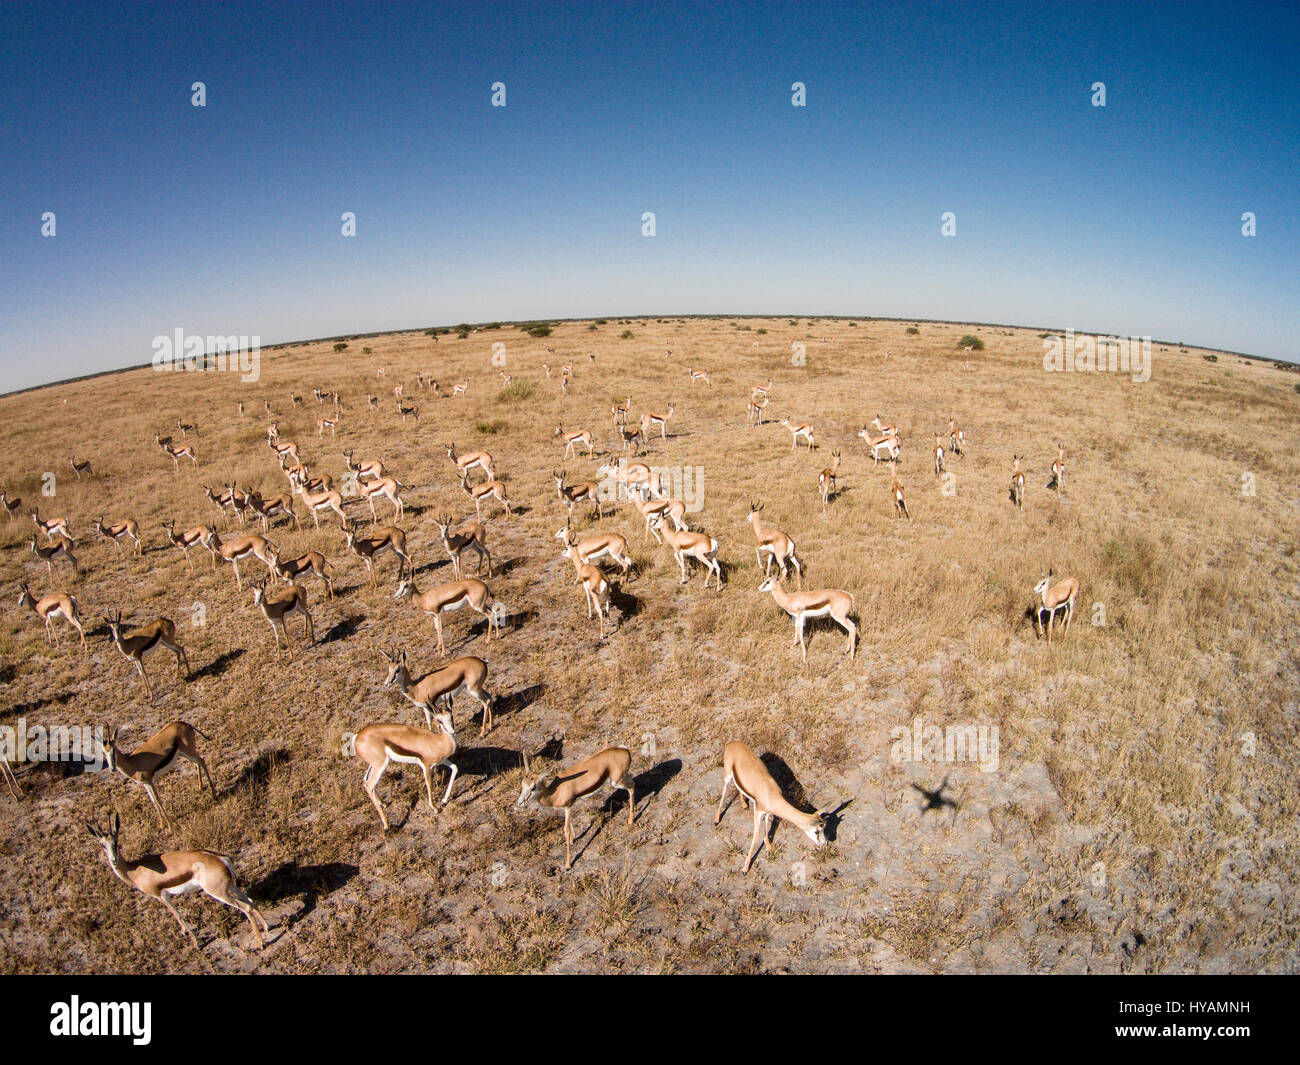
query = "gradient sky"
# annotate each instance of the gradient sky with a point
(226, 219)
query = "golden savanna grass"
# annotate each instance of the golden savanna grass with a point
(1142, 816)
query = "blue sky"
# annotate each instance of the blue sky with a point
(226, 219)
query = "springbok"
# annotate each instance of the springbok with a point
(53, 607)
(452, 596)
(825, 602)
(467, 674)
(744, 770)
(1055, 597)
(381, 744)
(157, 755)
(559, 790)
(161, 632)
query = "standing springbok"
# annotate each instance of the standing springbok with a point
(561, 789)
(381, 744)
(1055, 597)
(573, 494)
(774, 546)
(896, 490)
(129, 529)
(313, 561)
(467, 674)
(486, 490)
(744, 770)
(447, 597)
(161, 632)
(59, 548)
(178, 873)
(886, 443)
(581, 437)
(590, 548)
(387, 487)
(825, 602)
(80, 467)
(594, 585)
(797, 430)
(53, 607)
(826, 486)
(1058, 470)
(471, 535)
(277, 607)
(660, 418)
(699, 546)
(199, 535)
(157, 755)
(938, 456)
(369, 548)
(1017, 482)
(241, 548)
(479, 460)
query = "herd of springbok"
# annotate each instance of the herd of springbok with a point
(280, 598)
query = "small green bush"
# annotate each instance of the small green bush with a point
(342, 345)
(516, 391)
(971, 342)
(490, 428)
(913, 331)
(625, 335)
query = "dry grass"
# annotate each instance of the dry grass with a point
(1126, 827)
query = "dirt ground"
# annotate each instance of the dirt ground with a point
(1141, 814)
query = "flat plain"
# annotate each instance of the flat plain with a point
(1142, 815)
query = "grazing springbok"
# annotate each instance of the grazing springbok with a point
(161, 632)
(744, 770)
(824, 602)
(468, 674)
(1055, 597)
(53, 607)
(447, 597)
(561, 789)
(381, 744)
(157, 755)
(178, 873)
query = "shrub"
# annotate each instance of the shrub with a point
(591, 328)
(625, 335)
(913, 331)
(516, 391)
(602, 321)
(1210, 358)
(365, 351)
(490, 428)
(463, 335)
(462, 328)
(342, 345)
(969, 341)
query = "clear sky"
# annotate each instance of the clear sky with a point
(226, 219)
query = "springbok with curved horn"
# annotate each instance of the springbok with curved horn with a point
(326, 499)
(199, 535)
(447, 597)
(276, 608)
(594, 585)
(242, 548)
(157, 755)
(80, 467)
(474, 460)
(698, 375)
(601, 545)
(774, 546)
(52, 607)
(559, 790)
(660, 418)
(1054, 597)
(129, 529)
(178, 873)
(369, 548)
(313, 562)
(467, 674)
(184, 451)
(484, 491)
(161, 632)
(744, 770)
(471, 535)
(53, 527)
(369, 468)
(381, 744)
(824, 602)
(573, 494)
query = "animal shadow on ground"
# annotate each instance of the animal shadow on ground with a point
(795, 794)
(309, 882)
(505, 705)
(259, 769)
(218, 665)
(341, 630)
